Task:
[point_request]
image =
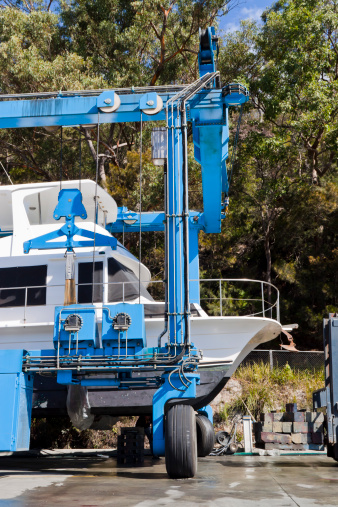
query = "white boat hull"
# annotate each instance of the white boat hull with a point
(222, 340)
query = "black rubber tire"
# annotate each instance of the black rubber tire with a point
(180, 442)
(205, 436)
(222, 438)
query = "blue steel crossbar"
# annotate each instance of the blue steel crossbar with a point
(207, 110)
(70, 111)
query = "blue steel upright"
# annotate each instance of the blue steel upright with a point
(16, 392)
(176, 287)
(328, 396)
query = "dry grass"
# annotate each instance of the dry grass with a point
(59, 433)
(263, 390)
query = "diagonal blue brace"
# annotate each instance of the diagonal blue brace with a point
(69, 206)
(165, 393)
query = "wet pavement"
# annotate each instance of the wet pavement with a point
(239, 481)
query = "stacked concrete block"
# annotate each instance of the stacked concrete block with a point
(291, 430)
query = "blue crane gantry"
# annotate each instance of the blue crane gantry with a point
(205, 104)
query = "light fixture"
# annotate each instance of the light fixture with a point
(159, 145)
(130, 219)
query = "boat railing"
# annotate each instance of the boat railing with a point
(238, 297)
(218, 297)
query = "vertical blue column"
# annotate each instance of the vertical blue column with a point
(175, 221)
(16, 392)
(194, 286)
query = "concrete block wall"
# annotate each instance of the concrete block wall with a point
(291, 430)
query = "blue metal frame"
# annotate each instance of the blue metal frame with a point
(69, 206)
(328, 396)
(208, 112)
(165, 393)
(207, 411)
(16, 402)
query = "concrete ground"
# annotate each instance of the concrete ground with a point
(239, 481)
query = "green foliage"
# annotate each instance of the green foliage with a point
(225, 413)
(283, 213)
(265, 389)
(34, 58)
(139, 42)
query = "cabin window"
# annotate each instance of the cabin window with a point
(22, 286)
(85, 291)
(123, 284)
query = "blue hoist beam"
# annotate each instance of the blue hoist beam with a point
(83, 110)
(207, 112)
(151, 221)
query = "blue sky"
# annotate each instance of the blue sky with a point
(246, 9)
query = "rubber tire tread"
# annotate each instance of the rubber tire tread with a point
(222, 437)
(205, 436)
(181, 442)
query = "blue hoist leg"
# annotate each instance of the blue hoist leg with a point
(16, 394)
(207, 412)
(168, 393)
(175, 218)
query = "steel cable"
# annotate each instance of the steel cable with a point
(61, 147)
(95, 197)
(80, 158)
(140, 213)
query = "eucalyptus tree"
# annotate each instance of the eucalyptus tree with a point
(297, 87)
(81, 44)
(286, 197)
(35, 58)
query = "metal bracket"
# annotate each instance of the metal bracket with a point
(69, 206)
(207, 411)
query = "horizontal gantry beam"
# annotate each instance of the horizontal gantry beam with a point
(84, 110)
(89, 107)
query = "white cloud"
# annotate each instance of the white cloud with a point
(231, 27)
(253, 13)
(245, 13)
(239, 14)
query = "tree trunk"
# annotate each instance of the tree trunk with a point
(102, 173)
(313, 156)
(267, 249)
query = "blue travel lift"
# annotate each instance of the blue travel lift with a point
(75, 356)
(328, 396)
